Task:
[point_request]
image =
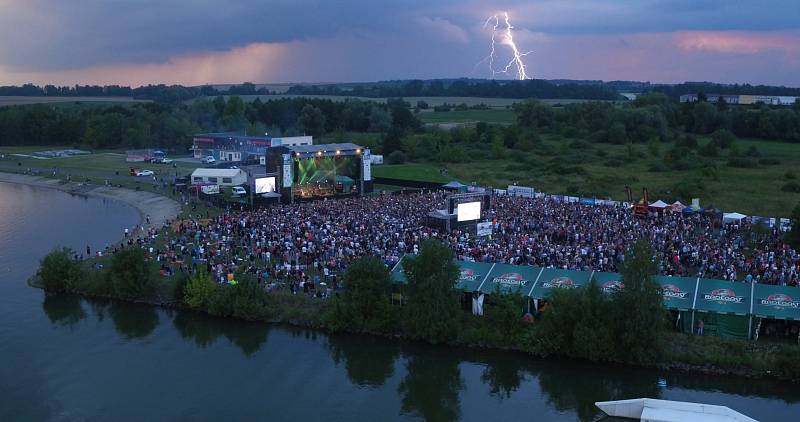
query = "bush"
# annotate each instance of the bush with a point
(396, 157)
(658, 168)
(601, 153)
(723, 138)
(742, 162)
(199, 290)
(752, 151)
(709, 150)
(793, 187)
(790, 175)
(614, 162)
(131, 277)
(769, 161)
(59, 272)
(365, 304)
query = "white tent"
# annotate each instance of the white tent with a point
(677, 206)
(655, 410)
(659, 204)
(732, 217)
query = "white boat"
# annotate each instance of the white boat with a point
(654, 410)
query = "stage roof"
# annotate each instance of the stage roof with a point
(322, 147)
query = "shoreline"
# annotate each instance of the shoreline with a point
(160, 208)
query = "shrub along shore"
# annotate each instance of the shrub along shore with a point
(627, 327)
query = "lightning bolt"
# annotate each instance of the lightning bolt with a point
(508, 40)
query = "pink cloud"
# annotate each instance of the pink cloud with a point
(738, 42)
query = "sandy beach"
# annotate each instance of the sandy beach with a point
(158, 207)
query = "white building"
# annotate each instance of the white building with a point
(222, 177)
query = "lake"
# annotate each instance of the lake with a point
(68, 358)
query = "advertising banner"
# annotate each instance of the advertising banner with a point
(609, 282)
(367, 163)
(678, 292)
(723, 297)
(484, 229)
(287, 171)
(471, 275)
(511, 278)
(525, 191)
(554, 278)
(777, 302)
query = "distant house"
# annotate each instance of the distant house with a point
(233, 147)
(222, 177)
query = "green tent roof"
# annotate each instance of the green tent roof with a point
(554, 278)
(608, 281)
(723, 297)
(511, 278)
(777, 302)
(471, 275)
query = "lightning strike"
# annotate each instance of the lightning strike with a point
(508, 40)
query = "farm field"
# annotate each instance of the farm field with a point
(562, 166)
(102, 163)
(469, 116)
(15, 100)
(432, 101)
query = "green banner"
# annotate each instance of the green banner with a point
(554, 278)
(777, 302)
(510, 278)
(723, 297)
(678, 292)
(608, 282)
(471, 275)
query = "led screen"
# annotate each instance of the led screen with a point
(265, 184)
(469, 211)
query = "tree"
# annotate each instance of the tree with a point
(380, 120)
(617, 135)
(59, 272)
(638, 307)
(432, 307)
(793, 236)
(199, 290)
(311, 120)
(365, 305)
(396, 157)
(533, 114)
(130, 274)
(723, 138)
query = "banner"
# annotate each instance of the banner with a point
(723, 297)
(777, 302)
(484, 229)
(524, 191)
(287, 171)
(367, 163)
(511, 278)
(678, 292)
(554, 278)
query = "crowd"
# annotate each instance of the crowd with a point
(298, 244)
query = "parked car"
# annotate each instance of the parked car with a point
(209, 160)
(142, 173)
(238, 191)
(166, 161)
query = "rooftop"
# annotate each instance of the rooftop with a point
(322, 148)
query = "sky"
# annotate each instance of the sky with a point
(193, 42)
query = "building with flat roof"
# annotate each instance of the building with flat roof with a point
(233, 147)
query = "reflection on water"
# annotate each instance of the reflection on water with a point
(369, 362)
(431, 386)
(64, 310)
(204, 331)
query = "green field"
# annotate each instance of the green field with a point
(501, 116)
(14, 100)
(564, 167)
(97, 164)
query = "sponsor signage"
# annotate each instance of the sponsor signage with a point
(777, 302)
(723, 296)
(525, 191)
(484, 229)
(612, 286)
(678, 292)
(510, 280)
(366, 162)
(559, 282)
(287, 171)
(553, 278)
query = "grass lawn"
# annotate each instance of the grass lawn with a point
(415, 171)
(559, 166)
(499, 116)
(432, 101)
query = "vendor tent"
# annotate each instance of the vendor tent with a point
(510, 278)
(732, 217)
(677, 206)
(554, 278)
(777, 302)
(455, 186)
(659, 204)
(397, 273)
(723, 306)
